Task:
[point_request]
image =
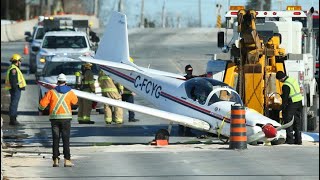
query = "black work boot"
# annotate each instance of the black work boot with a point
(297, 138)
(13, 121)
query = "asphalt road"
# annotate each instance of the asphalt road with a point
(122, 152)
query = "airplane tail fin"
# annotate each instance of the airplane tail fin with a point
(114, 45)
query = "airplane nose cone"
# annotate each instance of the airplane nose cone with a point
(269, 131)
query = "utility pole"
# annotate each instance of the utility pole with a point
(95, 10)
(280, 5)
(163, 16)
(199, 4)
(120, 6)
(27, 9)
(141, 15)
(7, 10)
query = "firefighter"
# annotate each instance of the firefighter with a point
(87, 85)
(110, 90)
(291, 107)
(60, 100)
(127, 96)
(15, 83)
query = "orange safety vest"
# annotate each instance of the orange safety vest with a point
(21, 81)
(60, 104)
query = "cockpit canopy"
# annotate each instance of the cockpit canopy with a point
(209, 90)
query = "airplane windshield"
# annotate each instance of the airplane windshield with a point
(199, 89)
(224, 95)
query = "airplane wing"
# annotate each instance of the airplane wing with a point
(177, 118)
(261, 135)
(131, 67)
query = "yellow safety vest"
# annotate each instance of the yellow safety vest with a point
(294, 94)
(21, 81)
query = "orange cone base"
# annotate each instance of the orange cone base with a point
(160, 143)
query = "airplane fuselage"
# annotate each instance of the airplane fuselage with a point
(168, 94)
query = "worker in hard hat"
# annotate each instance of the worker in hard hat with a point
(111, 90)
(87, 85)
(15, 83)
(128, 97)
(92, 35)
(60, 99)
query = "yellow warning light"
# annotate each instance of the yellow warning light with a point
(232, 8)
(51, 18)
(294, 8)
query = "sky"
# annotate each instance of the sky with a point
(187, 11)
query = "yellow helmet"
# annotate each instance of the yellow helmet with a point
(16, 57)
(131, 59)
(90, 24)
(87, 65)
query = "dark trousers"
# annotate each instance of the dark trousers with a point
(60, 127)
(14, 97)
(129, 98)
(290, 111)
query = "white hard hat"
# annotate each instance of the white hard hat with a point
(62, 77)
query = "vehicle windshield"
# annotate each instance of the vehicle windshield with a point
(199, 89)
(67, 68)
(40, 33)
(53, 42)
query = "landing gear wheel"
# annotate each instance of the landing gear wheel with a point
(162, 134)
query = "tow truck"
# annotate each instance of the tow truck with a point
(263, 43)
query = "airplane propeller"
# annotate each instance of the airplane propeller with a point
(268, 131)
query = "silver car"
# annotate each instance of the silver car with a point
(68, 66)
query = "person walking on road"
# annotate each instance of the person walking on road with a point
(15, 83)
(60, 99)
(291, 107)
(87, 85)
(110, 90)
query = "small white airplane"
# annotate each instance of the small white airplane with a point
(199, 103)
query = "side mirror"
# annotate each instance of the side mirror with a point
(27, 33)
(28, 38)
(35, 48)
(220, 39)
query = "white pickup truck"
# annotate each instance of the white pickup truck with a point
(62, 43)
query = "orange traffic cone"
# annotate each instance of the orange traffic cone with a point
(26, 50)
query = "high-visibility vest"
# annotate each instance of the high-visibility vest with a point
(21, 81)
(294, 94)
(60, 104)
